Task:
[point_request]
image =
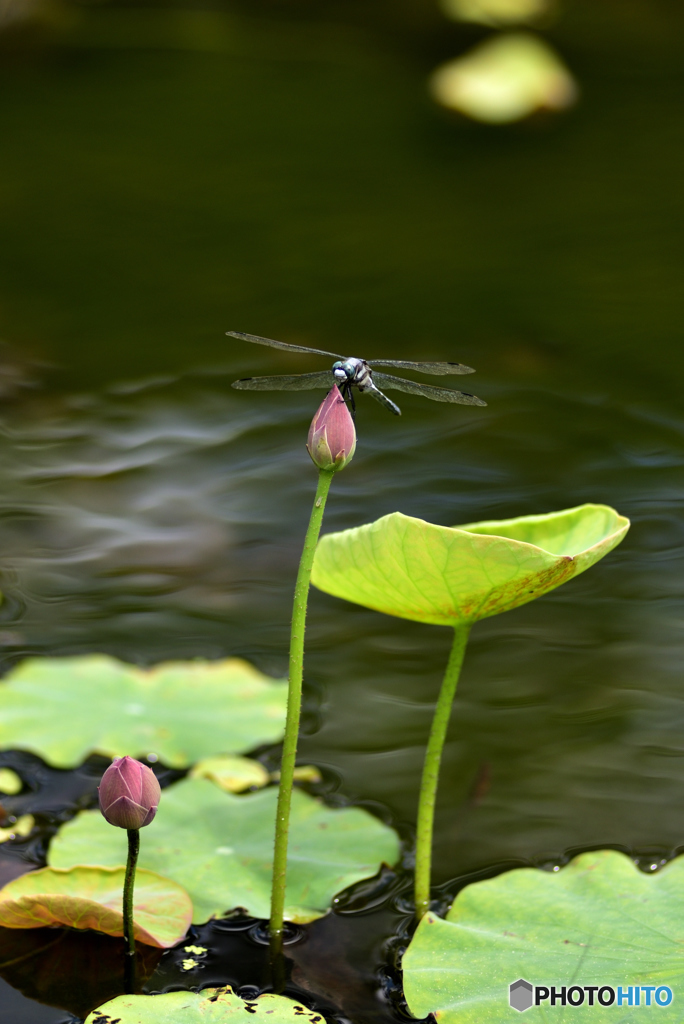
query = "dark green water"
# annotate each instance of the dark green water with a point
(165, 177)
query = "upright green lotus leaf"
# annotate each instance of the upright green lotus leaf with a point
(66, 708)
(210, 1006)
(220, 848)
(90, 897)
(451, 576)
(599, 921)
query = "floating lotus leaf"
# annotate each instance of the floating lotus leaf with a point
(10, 783)
(210, 1006)
(455, 575)
(220, 848)
(91, 897)
(234, 774)
(303, 773)
(66, 708)
(599, 921)
(23, 827)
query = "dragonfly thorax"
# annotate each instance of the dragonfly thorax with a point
(349, 373)
(352, 371)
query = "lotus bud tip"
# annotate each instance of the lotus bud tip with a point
(332, 435)
(129, 793)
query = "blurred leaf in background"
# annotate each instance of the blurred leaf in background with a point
(505, 79)
(496, 12)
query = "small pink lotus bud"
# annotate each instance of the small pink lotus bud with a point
(129, 793)
(332, 437)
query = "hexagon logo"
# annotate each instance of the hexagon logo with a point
(520, 995)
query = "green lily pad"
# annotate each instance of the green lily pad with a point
(303, 773)
(211, 1006)
(599, 921)
(22, 827)
(66, 708)
(234, 774)
(220, 848)
(91, 897)
(451, 576)
(10, 783)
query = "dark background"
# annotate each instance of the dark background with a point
(168, 173)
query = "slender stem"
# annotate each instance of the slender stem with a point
(129, 882)
(294, 703)
(433, 757)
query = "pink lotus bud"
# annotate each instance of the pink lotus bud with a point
(129, 793)
(332, 437)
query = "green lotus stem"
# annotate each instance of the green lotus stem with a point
(430, 778)
(129, 936)
(294, 705)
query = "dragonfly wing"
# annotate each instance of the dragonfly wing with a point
(370, 389)
(281, 344)
(426, 390)
(286, 382)
(438, 369)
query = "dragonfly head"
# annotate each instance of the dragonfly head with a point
(342, 371)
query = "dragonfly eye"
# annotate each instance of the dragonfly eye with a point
(339, 372)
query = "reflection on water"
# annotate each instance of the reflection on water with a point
(165, 522)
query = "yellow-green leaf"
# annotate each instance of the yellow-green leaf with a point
(220, 848)
(598, 921)
(210, 1006)
(10, 783)
(504, 79)
(234, 774)
(455, 575)
(91, 897)
(23, 826)
(495, 12)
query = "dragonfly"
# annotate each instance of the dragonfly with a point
(350, 372)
